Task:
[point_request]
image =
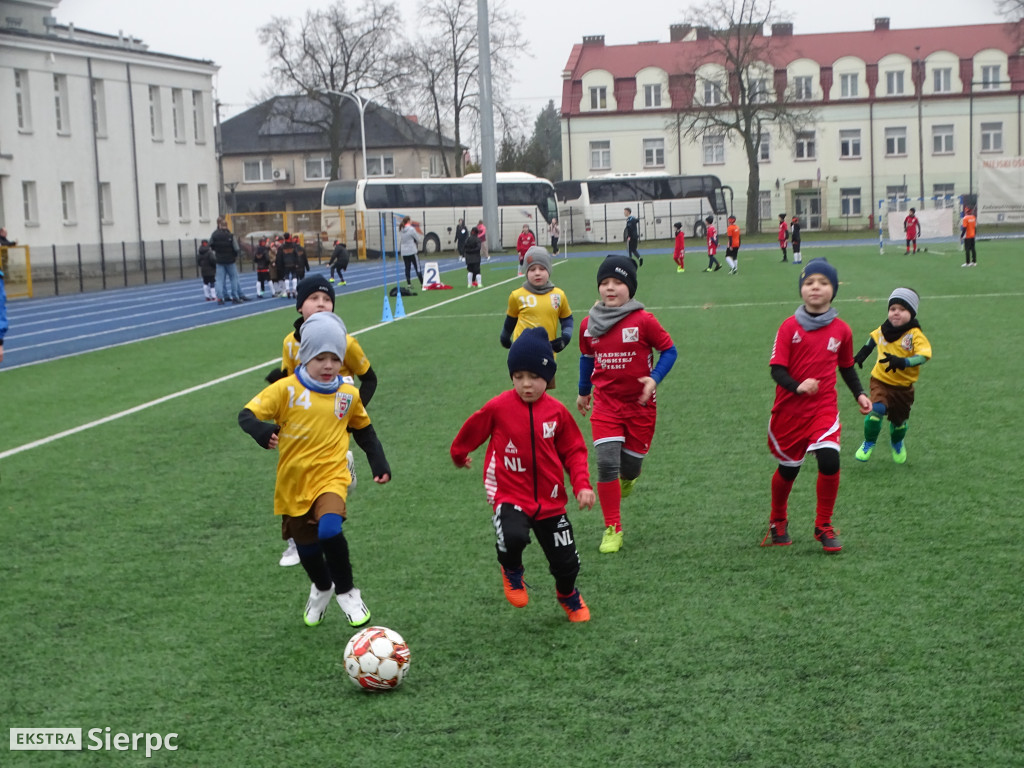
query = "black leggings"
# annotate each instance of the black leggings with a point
(554, 534)
(412, 263)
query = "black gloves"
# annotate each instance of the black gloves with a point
(862, 355)
(506, 341)
(275, 374)
(560, 343)
(893, 363)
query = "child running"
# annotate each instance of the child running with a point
(679, 249)
(808, 347)
(902, 350)
(537, 303)
(525, 242)
(307, 417)
(617, 344)
(533, 442)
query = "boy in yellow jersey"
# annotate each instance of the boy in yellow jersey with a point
(316, 294)
(538, 304)
(307, 417)
(902, 350)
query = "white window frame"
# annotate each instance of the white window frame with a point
(896, 141)
(156, 114)
(106, 203)
(803, 88)
(757, 92)
(849, 202)
(990, 77)
(764, 150)
(198, 117)
(436, 167)
(601, 155)
(599, 97)
(945, 195)
(654, 153)
(178, 114)
(264, 171)
(324, 172)
(896, 195)
(68, 209)
(894, 82)
(992, 137)
(712, 93)
(61, 113)
(161, 204)
(22, 100)
(652, 95)
(849, 144)
(380, 165)
(98, 91)
(764, 204)
(184, 213)
(804, 147)
(849, 85)
(942, 80)
(30, 203)
(203, 201)
(942, 139)
(714, 148)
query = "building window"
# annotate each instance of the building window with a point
(436, 166)
(652, 95)
(183, 211)
(600, 155)
(944, 195)
(895, 142)
(178, 114)
(254, 171)
(99, 108)
(106, 203)
(990, 77)
(654, 153)
(156, 118)
(897, 197)
(991, 137)
(67, 202)
(894, 83)
(30, 204)
(764, 204)
(60, 104)
(764, 148)
(714, 148)
(849, 201)
(318, 168)
(805, 145)
(21, 100)
(599, 97)
(803, 89)
(942, 139)
(380, 165)
(849, 143)
(942, 80)
(198, 117)
(758, 91)
(161, 203)
(848, 86)
(203, 201)
(712, 93)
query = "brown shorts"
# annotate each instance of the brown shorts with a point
(897, 400)
(304, 528)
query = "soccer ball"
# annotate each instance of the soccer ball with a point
(377, 659)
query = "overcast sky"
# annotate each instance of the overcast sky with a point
(225, 32)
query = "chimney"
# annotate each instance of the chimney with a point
(703, 33)
(678, 32)
(882, 24)
(593, 39)
(413, 119)
(782, 30)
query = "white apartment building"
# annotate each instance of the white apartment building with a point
(898, 115)
(103, 141)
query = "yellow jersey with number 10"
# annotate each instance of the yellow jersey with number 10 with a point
(545, 310)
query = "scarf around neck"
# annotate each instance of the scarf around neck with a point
(324, 388)
(811, 322)
(540, 290)
(602, 318)
(892, 332)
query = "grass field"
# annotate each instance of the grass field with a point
(141, 592)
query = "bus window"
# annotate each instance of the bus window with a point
(437, 195)
(467, 196)
(376, 196)
(568, 191)
(339, 194)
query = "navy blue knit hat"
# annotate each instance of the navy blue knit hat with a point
(820, 267)
(532, 352)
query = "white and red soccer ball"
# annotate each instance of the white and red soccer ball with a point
(377, 659)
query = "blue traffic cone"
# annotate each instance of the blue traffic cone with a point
(386, 315)
(399, 307)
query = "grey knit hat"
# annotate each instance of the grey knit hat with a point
(908, 298)
(322, 332)
(537, 255)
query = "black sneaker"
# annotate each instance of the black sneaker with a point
(829, 541)
(778, 534)
(717, 267)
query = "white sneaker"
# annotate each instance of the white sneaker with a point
(290, 556)
(317, 604)
(351, 459)
(355, 609)
(966, 264)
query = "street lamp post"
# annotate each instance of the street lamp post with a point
(361, 106)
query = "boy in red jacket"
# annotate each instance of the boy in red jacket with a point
(533, 441)
(679, 252)
(525, 242)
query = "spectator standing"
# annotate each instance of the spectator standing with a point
(631, 234)
(555, 233)
(409, 246)
(226, 250)
(461, 235)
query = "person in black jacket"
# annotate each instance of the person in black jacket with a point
(207, 270)
(225, 249)
(339, 262)
(461, 235)
(471, 252)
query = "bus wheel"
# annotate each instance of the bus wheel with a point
(431, 244)
(700, 229)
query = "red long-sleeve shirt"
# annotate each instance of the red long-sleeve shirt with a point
(525, 242)
(531, 447)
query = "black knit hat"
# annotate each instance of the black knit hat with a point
(621, 268)
(532, 352)
(310, 285)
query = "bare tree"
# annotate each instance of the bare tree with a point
(1012, 9)
(735, 88)
(446, 64)
(334, 49)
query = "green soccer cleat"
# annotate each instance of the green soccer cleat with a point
(899, 453)
(611, 541)
(864, 452)
(627, 486)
